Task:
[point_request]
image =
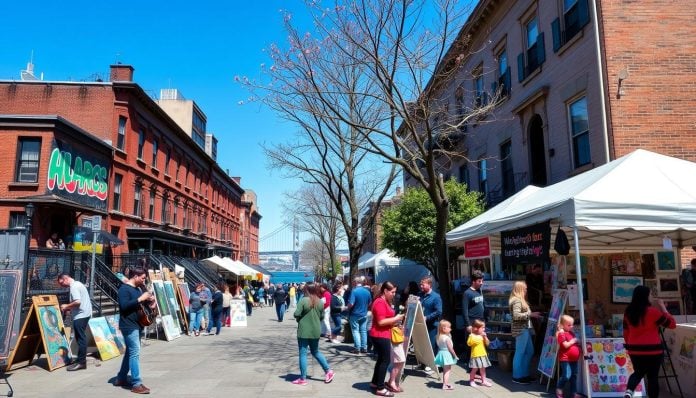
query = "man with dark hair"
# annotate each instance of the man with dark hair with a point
(472, 308)
(432, 308)
(81, 308)
(130, 298)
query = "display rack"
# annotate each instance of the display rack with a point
(498, 318)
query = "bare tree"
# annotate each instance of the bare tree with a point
(383, 70)
(316, 214)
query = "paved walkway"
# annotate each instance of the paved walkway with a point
(257, 361)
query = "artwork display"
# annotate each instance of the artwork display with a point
(174, 305)
(54, 338)
(622, 287)
(668, 286)
(652, 284)
(585, 290)
(238, 313)
(549, 351)
(609, 367)
(185, 295)
(648, 265)
(103, 338)
(170, 326)
(665, 262)
(674, 307)
(112, 320)
(625, 264)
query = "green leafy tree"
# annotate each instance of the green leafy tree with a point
(410, 225)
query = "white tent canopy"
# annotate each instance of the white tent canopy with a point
(239, 267)
(218, 264)
(634, 201)
(381, 259)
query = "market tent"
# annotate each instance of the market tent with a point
(633, 201)
(387, 267)
(236, 267)
(383, 258)
(217, 264)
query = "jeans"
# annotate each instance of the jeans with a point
(131, 358)
(313, 345)
(524, 350)
(358, 326)
(280, 311)
(196, 316)
(567, 372)
(648, 366)
(326, 322)
(383, 349)
(80, 327)
(337, 320)
(215, 321)
(226, 319)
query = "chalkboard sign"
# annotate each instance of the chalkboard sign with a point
(10, 309)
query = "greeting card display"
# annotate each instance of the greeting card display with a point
(609, 367)
(549, 352)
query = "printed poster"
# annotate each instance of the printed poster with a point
(549, 352)
(238, 313)
(609, 366)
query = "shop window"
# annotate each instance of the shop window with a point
(118, 181)
(580, 132)
(141, 143)
(508, 176)
(121, 139)
(503, 81)
(18, 219)
(534, 55)
(28, 160)
(136, 200)
(575, 16)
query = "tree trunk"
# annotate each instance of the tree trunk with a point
(442, 214)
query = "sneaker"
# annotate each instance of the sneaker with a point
(521, 380)
(363, 351)
(487, 384)
(336, 341)
(329, 376)
(355, 352)
(140, 389)
(299, 382)
(628, 394)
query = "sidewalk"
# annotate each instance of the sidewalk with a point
(257, 361)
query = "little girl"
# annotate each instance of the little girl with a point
(446, 357)
(478, 341)
(568, 355)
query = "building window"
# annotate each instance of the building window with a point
(503, 82)
(575, 16)
(534, 56)
(141, 143)
(483, 176)
(186, 179)
(167, 159)
(464, 175)
(155, 149)
(481, 97)
(165, 209)
(118, 181)
(28, 160)
(178, 166)
(121, 139)
(580, 132)
(459, 103)
(186, 216)
(175, 211)
(18, 219)
(136, 200)
(151, 213)
(508, 175)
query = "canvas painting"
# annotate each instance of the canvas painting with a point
(55, 340)
(622, 287)
(665, 262)
(103, 338)
(652, 284)
(112, 320)
(185, 295)
(669, 287)
(625, 264)
(173, 304)
(171, 327)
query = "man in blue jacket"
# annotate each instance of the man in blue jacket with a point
(432, 308)
(358, 304)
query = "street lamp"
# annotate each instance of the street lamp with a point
(29, 211)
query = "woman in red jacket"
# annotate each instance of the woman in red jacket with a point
(642, 322)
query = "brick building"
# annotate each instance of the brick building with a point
(164, 193)
(578, 88)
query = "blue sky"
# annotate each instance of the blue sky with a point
(196, 47)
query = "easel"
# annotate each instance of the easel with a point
(416, 336)
(549, 351)
(3, 378)
(668, 358)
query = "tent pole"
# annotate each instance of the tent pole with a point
(581, 307)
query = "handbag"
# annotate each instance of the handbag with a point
(397, 335)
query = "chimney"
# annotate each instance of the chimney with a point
(121, 73)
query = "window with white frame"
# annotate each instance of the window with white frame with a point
(481, 98)
(503, 84)
(580, 131)
(151, 212)
(28, 156)
(155, 149)
(534, 54)
(136, 200)
(118, 182)
(121, 139)
(141, 143)
(575, 16)
(18, 219)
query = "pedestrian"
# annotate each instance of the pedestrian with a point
(568, 355)
(383, 319)
(291, 292)
(336, 309)
(271, 292)
(521, 330)
(280, 297)
(195, 310)
(80, 307)
(478, 341)
(472, 308)
(326, 321)
(216, 310)
(130, 298)
(226, 306)
(358, 305)
(445, 357)
(641, 331)
(309, 314)
(206, 296)
(261, 294)
(688, 280)
(432, 308)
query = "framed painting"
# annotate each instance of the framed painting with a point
(622, 287)
(103, 338)
(665, 262)
(668, 286)
(112, 320)
(52, 331)
(652, 284)
(674, 306)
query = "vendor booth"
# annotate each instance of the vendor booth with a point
(596, 236)
(383, 266)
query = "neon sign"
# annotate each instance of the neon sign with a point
(81, 176)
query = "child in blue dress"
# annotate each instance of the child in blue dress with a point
(446, 357)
